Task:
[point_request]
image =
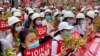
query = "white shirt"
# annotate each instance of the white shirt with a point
(49, 26)
(6, 44)
(9, 38)
(19, 54)
(55, 45)
(79, 29)
(2, 34)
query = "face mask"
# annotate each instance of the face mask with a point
(48, 18)
(70, 22)
(18, 29)
(39, 22)
(36, 44)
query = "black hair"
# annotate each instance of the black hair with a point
(13, 31)
(78, 21)
(89, 18)
(45, 39)
(57, 33)
(29, 19)
(65, 19)
(22, 37)
(1, 51)
(34, 22)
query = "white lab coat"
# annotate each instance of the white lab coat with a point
(55, 45)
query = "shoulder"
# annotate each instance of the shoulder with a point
(58, 37)
(19, 54)
(9, 35)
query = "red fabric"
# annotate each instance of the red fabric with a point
(4, 25)
(59, 46)
(41, 31)
(91, 49)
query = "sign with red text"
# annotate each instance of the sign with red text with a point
(42, 50)
(4, 25)
(41, 31)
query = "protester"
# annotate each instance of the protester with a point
(34, 25)
(28, 40)
(64, 29)
(16, 27)
(69, 17)
(47, 21)
(80, 22)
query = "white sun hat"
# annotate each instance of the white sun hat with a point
(1, 8)
(56, 13)
(16, 14)
(48, 10)
(13, 10)
(64, 25)
(42, 14)
(12, 20)
(69, 14)
(96, 11)
(91, 14)
(80, 15)
(35, 15)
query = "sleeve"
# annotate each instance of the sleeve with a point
(9, 38)
(6, 44)
(54, 48)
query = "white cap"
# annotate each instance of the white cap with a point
(63, 11)
(12, 20)
(48, 10)
(28, 8)
(17, 14)
(73, 7)
(64, 25)
(13, 10)
(46, 7)
(80, 15)
(91, 14)
(96, 11)
(30, 11)
(69, 14)
(42, 14)
(1, 8)
(35, 15)
(56, 13)
(83, 9)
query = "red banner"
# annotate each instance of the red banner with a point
(3, 25)
(42, 50)
(41, 31)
